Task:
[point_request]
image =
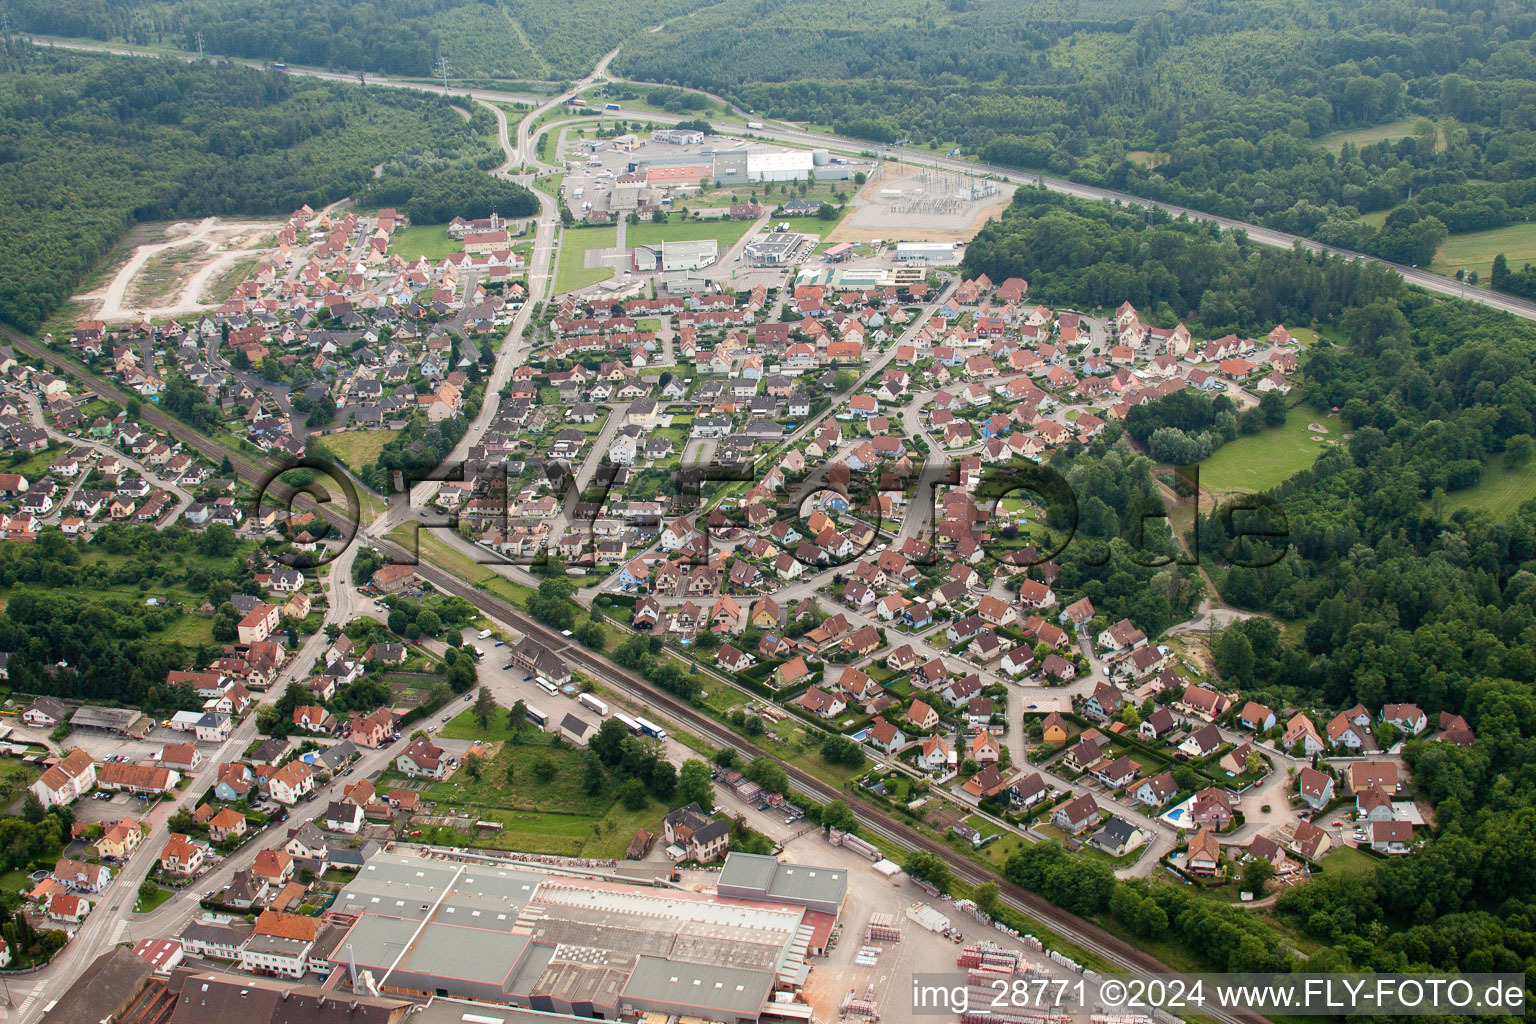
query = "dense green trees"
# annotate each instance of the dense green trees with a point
(1084, 254)
(439, 196)
(506, 38)
(89, 145)
(1220, 105)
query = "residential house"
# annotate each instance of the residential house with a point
(180, 857)
(1256, 717)
(1213, 807)
(66, 781)
(885, 736)
(1077, 815)
(291, 783)
(1204, 854)
(1392, 837)
(1117, 837)
(1315, 788)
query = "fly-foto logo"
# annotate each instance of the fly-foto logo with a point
(1018, 516)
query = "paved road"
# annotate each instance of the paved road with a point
(778, 131)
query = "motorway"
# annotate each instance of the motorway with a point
(782, 132)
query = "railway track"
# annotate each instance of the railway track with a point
(1083, 933)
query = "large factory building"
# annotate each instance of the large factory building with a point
(590, 947)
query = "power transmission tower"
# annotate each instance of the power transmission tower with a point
(442, 71)
(199, 46)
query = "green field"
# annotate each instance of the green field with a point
(726, 232)
(572, 274)
(429, 546)
(1500, 491)
(359, 448)
(558, 816)
(429, 240)
(1346, 860)
(1401, 128)
(1475, 250)
(1260, 461)
(564, 793)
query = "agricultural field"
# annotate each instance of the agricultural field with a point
(1259, 461)
(573, 273)
(1475, 250)
(429, 240)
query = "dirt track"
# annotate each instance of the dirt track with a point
(210, 233)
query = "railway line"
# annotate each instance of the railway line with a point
(1083, 933)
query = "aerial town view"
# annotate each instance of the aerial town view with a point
(739, 512)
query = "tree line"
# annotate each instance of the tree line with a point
(90, 145)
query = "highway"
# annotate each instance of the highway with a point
(788, 133)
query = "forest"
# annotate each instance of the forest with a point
(1221, 105)
(91, 145)
(1082, 253)
(1386, 595)
(525, 39)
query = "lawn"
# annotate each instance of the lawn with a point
(359, 448)
(145, 906)
(726, 232)
(35, 465)
(1475, 250)
(1346, 860)
(15, 776)
(466, 727)
(1399, 129)
(1259, 461)
(429, 240)
(1005, 846)
(573, 273)
(1500, 491)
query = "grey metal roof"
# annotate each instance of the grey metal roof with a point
(748, 871)
(796, 883)
(668, 983)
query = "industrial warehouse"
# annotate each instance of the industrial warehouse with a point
(588, 946)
